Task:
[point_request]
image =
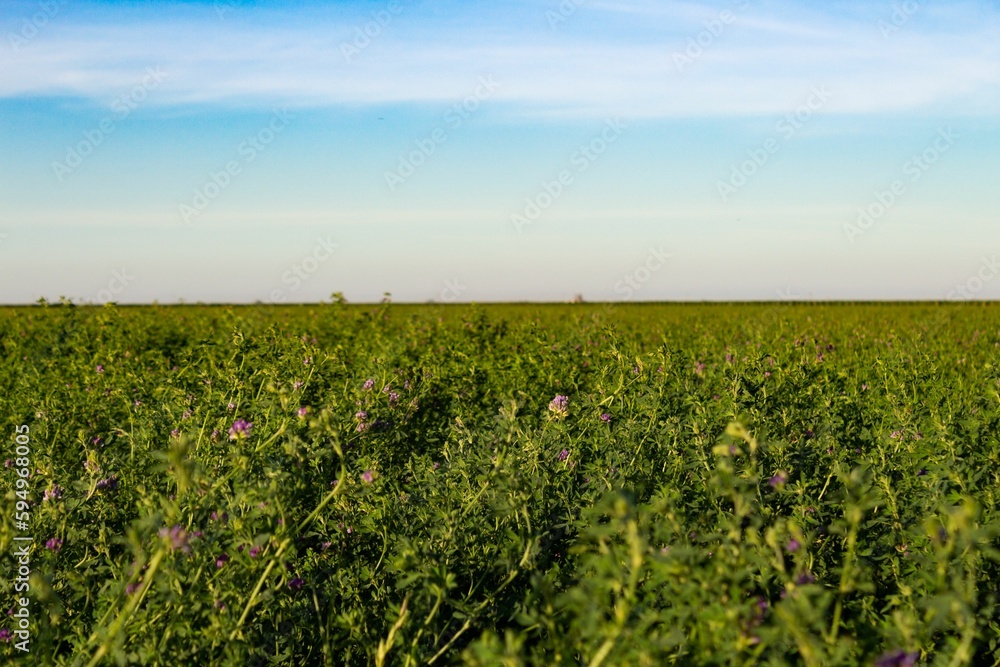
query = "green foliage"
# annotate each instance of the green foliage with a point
(728, 485)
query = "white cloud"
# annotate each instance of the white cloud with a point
(760, 64)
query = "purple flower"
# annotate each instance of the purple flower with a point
(54, 544)
(326, 545)
(699, 368)
(778, 479)
(393, 397)
(176, 432)
(367, 476)
(9, 462)
(54, 493)
(137, 402)
(221, 561)
(805, 578)
(254, 552)
(363, 425)
(215, 434)
(303, 411)
(99, 369)
(436, 465)
(5, 634)
(231, 407)
(132, 588)
(369, 384)
(240, 429)
(108, 484)
(897, 658)
(298, 384)
(296, 584)
(559, 406)
(606, 417)
(793, 545)
(217, 516)
(177, 538)
(922, 472)
(563, 455)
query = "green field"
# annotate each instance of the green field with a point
(722, 484)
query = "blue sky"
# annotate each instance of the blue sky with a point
(458, 151)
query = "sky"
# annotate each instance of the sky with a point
(225, 151)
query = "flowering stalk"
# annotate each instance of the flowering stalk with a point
(284, 545)
(511, 576)
(126, 614)
(854, 518)
(385, 645)
(623, 604)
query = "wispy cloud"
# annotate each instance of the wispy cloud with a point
(762, 63)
